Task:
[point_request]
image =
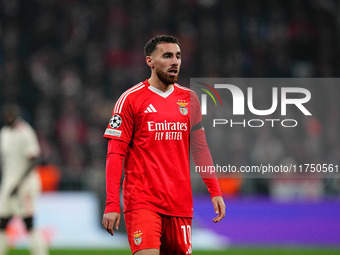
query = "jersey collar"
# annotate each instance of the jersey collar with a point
(159, 92)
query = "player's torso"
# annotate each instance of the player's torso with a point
(12, 147)
(160, 118)
(157, 163)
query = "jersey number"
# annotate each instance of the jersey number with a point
(186, 233)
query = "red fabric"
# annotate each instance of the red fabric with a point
(116, 151)
(202, 157)
(148, 229)
(200, 150)
(156, 165)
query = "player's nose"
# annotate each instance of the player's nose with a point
(174, 61)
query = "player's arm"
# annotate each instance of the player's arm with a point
(32, 151)
(114, 168)
(119, 132)
(201, 155)
(33, 161)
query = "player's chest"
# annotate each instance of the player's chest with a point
(164, 119)
(170, 110)
(12, 142)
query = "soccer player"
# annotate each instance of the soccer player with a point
(149, 130)
(20, 184)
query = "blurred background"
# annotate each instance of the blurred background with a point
(66, 62)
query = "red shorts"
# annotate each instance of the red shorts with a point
(148, 229)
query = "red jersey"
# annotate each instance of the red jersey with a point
(156, 126)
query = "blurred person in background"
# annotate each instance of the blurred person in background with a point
(20, 185)
(150, 129)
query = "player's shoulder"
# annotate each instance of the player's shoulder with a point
(186, 90)
(181, 88)
(24, 126)
(21, 128)
(129, 95)
(134, 89)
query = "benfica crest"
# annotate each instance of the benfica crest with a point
(183, 107)
(138, 237)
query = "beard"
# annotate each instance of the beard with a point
(166, 78)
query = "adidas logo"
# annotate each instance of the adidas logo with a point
(150, 108)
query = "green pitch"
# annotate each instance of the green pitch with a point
(248, 251)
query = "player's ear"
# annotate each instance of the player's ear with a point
(149, 61)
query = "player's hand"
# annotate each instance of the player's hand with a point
(14, 191)
(109, 220)
(219, 208)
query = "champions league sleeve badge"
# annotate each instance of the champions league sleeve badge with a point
(182, 107)
(115, 121)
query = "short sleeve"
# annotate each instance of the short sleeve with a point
(32, 148)
(121, 124)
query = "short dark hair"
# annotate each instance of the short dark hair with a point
(151, 45)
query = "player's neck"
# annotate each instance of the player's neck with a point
(158, 84)
(12, 124)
